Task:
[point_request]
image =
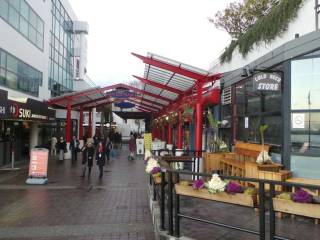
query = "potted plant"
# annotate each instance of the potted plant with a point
(263, 157)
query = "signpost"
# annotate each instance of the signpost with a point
(267, 81)
(38, 167)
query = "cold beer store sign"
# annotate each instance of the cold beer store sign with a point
(267, 82)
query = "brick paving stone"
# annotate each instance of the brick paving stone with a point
(69, 207)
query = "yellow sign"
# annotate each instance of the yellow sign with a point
(147, 141)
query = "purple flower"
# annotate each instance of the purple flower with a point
(198, 184)
(302, 196)
(156, 170)
(233, 187)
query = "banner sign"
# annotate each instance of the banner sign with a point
(267, 82)
(31, 110)
(38, 166)
(121, 93)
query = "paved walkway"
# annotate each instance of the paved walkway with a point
(73, 208)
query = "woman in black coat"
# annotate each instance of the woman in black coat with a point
(101, 158)
(88, 155)
(62, 148)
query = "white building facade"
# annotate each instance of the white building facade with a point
(292, 111)
(43, 50)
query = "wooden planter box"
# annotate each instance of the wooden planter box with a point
(302, 209)
(156, 179)
(238, 198)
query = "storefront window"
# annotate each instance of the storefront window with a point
(305, 106)
(305, 116)
(254, 108)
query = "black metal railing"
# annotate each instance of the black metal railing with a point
(173, 203)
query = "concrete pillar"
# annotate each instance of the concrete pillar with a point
(34, 135)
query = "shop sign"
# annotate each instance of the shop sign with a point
(121, 93)
(267, 82)
(31, 110)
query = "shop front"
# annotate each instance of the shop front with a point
(22, 127)
(284, 96)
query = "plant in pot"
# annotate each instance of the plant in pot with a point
(216, 144)
(263, 157)
(187, 114)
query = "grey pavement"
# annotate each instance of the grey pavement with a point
(70, 207)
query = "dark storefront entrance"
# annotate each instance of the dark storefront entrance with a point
(16, 120)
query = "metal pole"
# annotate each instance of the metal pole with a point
(177, 212)
(261, 211)
(169, 140)
(170, 207)
(154, 198)
(272, 216)
(199, 118)
(162, 202)
(180, 131)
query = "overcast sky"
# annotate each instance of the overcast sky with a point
(177, 29)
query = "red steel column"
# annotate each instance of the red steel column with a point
(81, 124)
(199, 118)
(179, 130)
(169, 133)
(90, 124)
(68, 125)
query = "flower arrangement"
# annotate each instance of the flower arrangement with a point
(216, 184)
(233, 187)
(302, 196)
(151, 164)
(198, 184)
(285, 196)
(147, 155)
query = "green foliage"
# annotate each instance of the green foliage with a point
(212, 122)
(265, 29)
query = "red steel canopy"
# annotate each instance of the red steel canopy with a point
(170, 79)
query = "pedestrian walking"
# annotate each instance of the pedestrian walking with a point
(87, 158)
(53, 149)
(109, 147)
(74, 148)
(132, 147)
(101, 158)
(62, 148)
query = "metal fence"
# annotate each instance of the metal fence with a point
(175, 215)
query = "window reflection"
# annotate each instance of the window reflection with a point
(305, 105)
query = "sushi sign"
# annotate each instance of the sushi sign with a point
(267, 82)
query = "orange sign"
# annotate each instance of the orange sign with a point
(38, 163)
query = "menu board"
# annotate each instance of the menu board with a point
(38, 166)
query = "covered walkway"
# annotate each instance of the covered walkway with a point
(72, 208)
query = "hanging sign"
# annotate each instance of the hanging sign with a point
(267, 81)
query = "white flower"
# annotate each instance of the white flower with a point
(147, 154)
(263, 157)
(152, 163)
(216, 185)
